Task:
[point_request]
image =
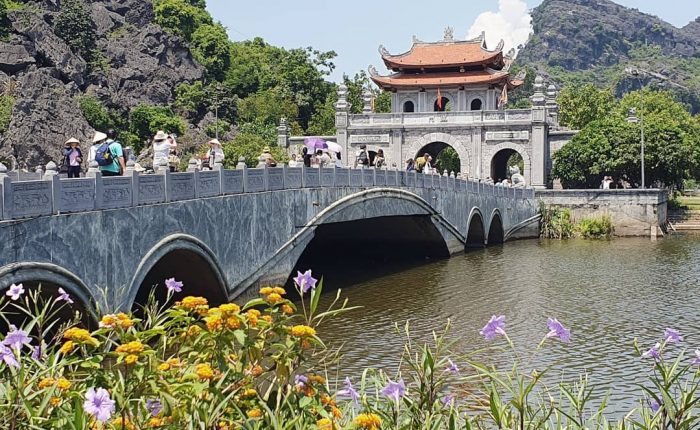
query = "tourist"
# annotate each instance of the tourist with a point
(161, 149)
(72, 157)
(307, 157)
(293, 161)
(109, 154)
(420, 162)
(410, 165)
(338, 161)
(215, 155)
(324, 160)
(428, 167)
(379, 160)
(362, 157)
(316, 159)
(268, 158)
(605, 184)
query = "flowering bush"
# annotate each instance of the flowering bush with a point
(188, 365)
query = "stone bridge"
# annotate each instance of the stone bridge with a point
(109, 240)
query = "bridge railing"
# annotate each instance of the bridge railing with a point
(54, 195)
(495, 117)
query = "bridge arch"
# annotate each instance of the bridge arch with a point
(498, 160)
(496, 233)
(51, 277)
(188, 260)
(476, 232)
(434, 143)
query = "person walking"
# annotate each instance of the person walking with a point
(109, 155)
(410, 165)
(362, 157)
(214, 154)
(379, 159)
(72, 157)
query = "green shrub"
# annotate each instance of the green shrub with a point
(96, 114)
(7, 103)
(249, 146)
(74, 25)
(146, 120)
(180, 16)
(211, 49)
(556, 223)
(222, 126)
(191, 99)
(599, 227)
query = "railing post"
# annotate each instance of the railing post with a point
(266, 178)
(129, 168)
(168, 191)
(192, 165)
(135, 178)
(93, 169)
(3, 175)
(55, 193)
(245, 179)
(99, 189)
(51, 171)
(6, 198)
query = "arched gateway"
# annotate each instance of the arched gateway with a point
(452, 93)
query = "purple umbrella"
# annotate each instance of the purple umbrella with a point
(314, 143)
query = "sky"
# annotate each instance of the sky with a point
(355, 29)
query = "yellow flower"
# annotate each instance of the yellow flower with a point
(204, 371)
(287, 309)
(197, 304)
(253, 316)
(229, 309)
(155, 422)
(254, 413)
(120, 320)
(214, 322)
(267, 319)
(325, 424)
(80, 335)
(194, 331)
(131, 359)
(46, 382)
(174, 362)
(67, 347)
(248, 393)
(302, 331)
(233, 323)
(368, 421)
(55, 401)
(279, 290)
(123, 424)
(254, 312)
(274, 298)
(164, 367)
(264, 291)
(133, 347)
(63, 384)
(318, 379)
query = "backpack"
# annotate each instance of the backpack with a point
(362, 158)
(103, 155)
(420, 163)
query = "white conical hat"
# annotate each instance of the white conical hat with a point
(99, 137)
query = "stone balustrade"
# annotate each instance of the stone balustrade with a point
(27, 195)
(511, 117)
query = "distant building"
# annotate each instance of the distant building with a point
(453, 93)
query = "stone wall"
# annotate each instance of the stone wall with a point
(634, 212)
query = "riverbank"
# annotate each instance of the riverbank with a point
(633, 212)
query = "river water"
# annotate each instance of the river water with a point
(607, 292)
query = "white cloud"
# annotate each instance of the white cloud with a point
(512, 23)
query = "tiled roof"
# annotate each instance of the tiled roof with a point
(433, 80)
(444, 54)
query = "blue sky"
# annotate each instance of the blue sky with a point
(354, 29)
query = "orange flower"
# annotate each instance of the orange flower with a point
(131, 359)
(133, 347)
(368, 421)
(204, 371)
(274, 298)
(214, 323)
(279, 290)
(287, 309)
(233, 323)
(254, 413)
(302, 331)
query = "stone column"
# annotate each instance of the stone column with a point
(552, 105)
(241, 163)
(367, 101)
(283, 134)
(477, 169)
(461, 100)
(539, 140)
(92, 169)
(192, 165)
(423, 102)
(162, 167)
(342, 121)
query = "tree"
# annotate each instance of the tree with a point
(146, 120)
(210, 48)
(96, 114)
(249, 146)
(74, 25)
(267, 107)
(579, 106)
(180, 17)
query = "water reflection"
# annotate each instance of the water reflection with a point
(608, 293)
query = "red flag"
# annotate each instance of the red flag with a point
(503, 100)
(439, 99)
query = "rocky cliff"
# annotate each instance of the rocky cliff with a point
(134, 62)
(578, 41)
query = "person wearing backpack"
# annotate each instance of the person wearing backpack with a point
(362, 158)
(109, 154)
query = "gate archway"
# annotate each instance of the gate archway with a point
(506, 154)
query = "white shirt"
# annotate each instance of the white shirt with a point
(218, 155)
(92, 154)
(161, 152)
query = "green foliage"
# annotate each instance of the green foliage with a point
(267, 107)
(96, 114)
(221, 126)
(382, 102)
(323, 121)
(579, 106)
(448, 160)
(191, 99)
(210, 47)
(181, 16)
(7, 103)
(556, 223)
(146, 120)
(598, 227)
(249, 146)
(74, 25)
(520, 98)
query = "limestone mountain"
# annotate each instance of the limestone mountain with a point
(53, 57)
(577, 41)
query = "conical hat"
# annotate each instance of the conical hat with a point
(99, 137)
(72, 140)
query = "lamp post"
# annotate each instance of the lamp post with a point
(632, 117)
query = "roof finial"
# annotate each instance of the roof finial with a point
(449, 34)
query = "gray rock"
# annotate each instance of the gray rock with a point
(14, 57)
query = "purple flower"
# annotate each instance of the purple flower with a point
(350, 391)
(496, 326)
(556, 329)
(64, 296)
(98, 404)
(448, 400)
(15, 291)
(394, 390)
(38, 352)
(300, 381)
(654, 405)
(16, 338)
(653, 352)
(154, 406)
(8, 356)
(452, 368)
(696, 362)
(173, 285)
(305, 281)
(672, 336)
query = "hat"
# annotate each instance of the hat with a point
(215, 142)
(139, 168)
(266, 149)
(99, 137)
(72, 140)
(160, 135)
